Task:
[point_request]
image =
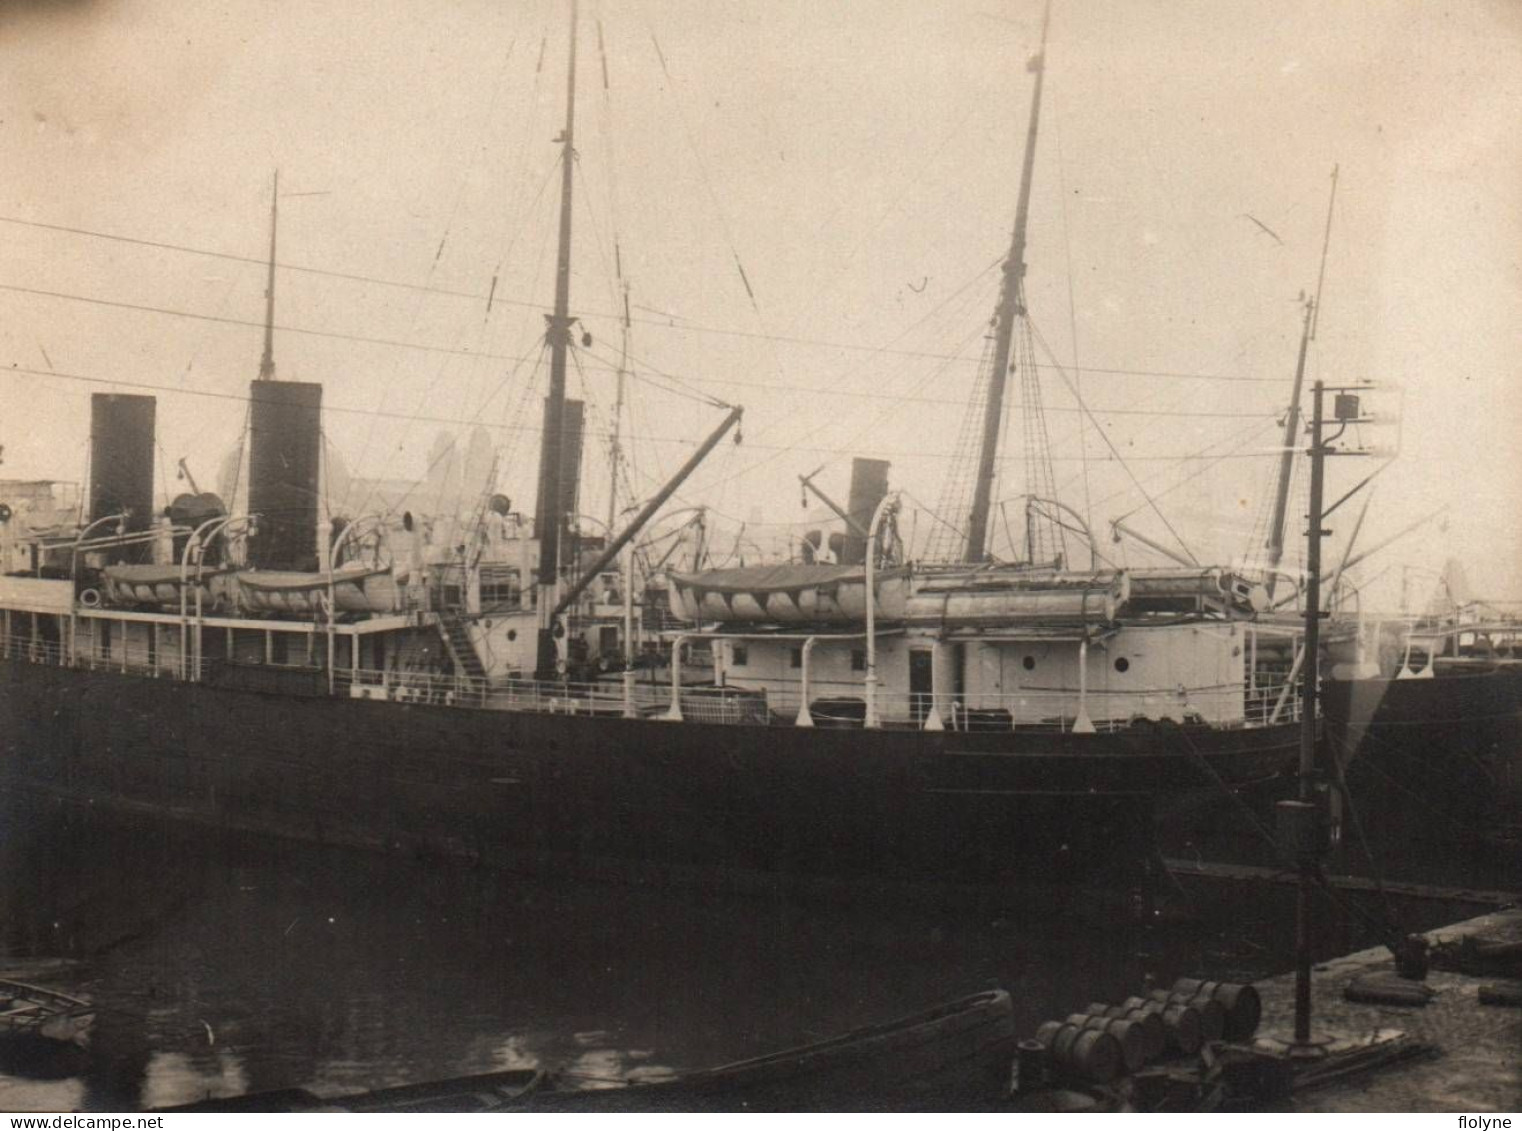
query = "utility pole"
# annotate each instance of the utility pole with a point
(1309, 856)
(1303, 823)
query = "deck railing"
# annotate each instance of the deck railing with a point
(1225, 705)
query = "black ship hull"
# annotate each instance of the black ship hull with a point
(611, 797)
(1441, 757)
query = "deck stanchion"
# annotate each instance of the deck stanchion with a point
(675, 713)
(805, 719)
(888, 505)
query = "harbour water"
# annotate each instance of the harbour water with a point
(224, 966)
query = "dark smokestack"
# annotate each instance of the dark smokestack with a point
(869, 483)
(285, 445)
(121, 462)
(570, 469)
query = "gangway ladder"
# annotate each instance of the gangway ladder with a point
(462, 652)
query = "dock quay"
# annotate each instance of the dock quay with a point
(1440, 1031)
(1209, 872)
(1472, 1052)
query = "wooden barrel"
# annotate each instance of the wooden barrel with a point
(1185, 1031)
(1084, 1054)
(1150, 1020)
(1212, 1013)
(1133, 1042)
(1032, 1061)
(1243, 1006)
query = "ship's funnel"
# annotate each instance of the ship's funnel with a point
(121, 462)
(570, 469)
(869, 483)
(285, 444)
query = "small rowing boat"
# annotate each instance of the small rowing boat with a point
(36, 1012)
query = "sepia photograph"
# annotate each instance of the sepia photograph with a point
(616, 556)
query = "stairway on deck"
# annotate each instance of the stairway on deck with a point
(461, 651)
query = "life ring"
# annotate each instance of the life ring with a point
(90, 598)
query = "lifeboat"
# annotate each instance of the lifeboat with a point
(357, 588)
(785, 594)
(162, 585)
(993, 599)
(837, 594)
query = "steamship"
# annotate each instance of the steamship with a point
(268, 668)
(1426, 714)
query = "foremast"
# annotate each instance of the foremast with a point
(1011, 307)
(550, 526)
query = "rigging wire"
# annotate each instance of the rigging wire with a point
(1046, 540)
(1105, 436)
(486, 355)
(678, 386)
(876, 350)
(683, 441)
(665, 321)
(1067, 244)
(966, 294)
(1212, 462)
(448, 449)
(957, 488)
(687, 132)
(449, 223)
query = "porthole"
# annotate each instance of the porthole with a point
(1122, 664)
(1029, 663)
(512, 634)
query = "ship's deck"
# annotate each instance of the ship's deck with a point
(1051, 712)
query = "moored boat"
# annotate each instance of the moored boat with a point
(37, 1013)
(947, 722)
(1429, 726)
(958, 1054)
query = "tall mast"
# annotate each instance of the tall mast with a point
(267, 362)
(551, 526)
(1011, 306)
(1275, 546)
(615, 447)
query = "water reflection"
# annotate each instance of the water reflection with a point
(227, 966)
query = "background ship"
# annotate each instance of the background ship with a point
(1427, 717)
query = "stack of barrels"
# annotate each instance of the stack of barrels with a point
(1106, 1041)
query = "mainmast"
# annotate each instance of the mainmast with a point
(550, 526)
(267, 362)
(1011, 306)
(1275, 546)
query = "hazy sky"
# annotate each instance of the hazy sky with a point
(859, 160)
